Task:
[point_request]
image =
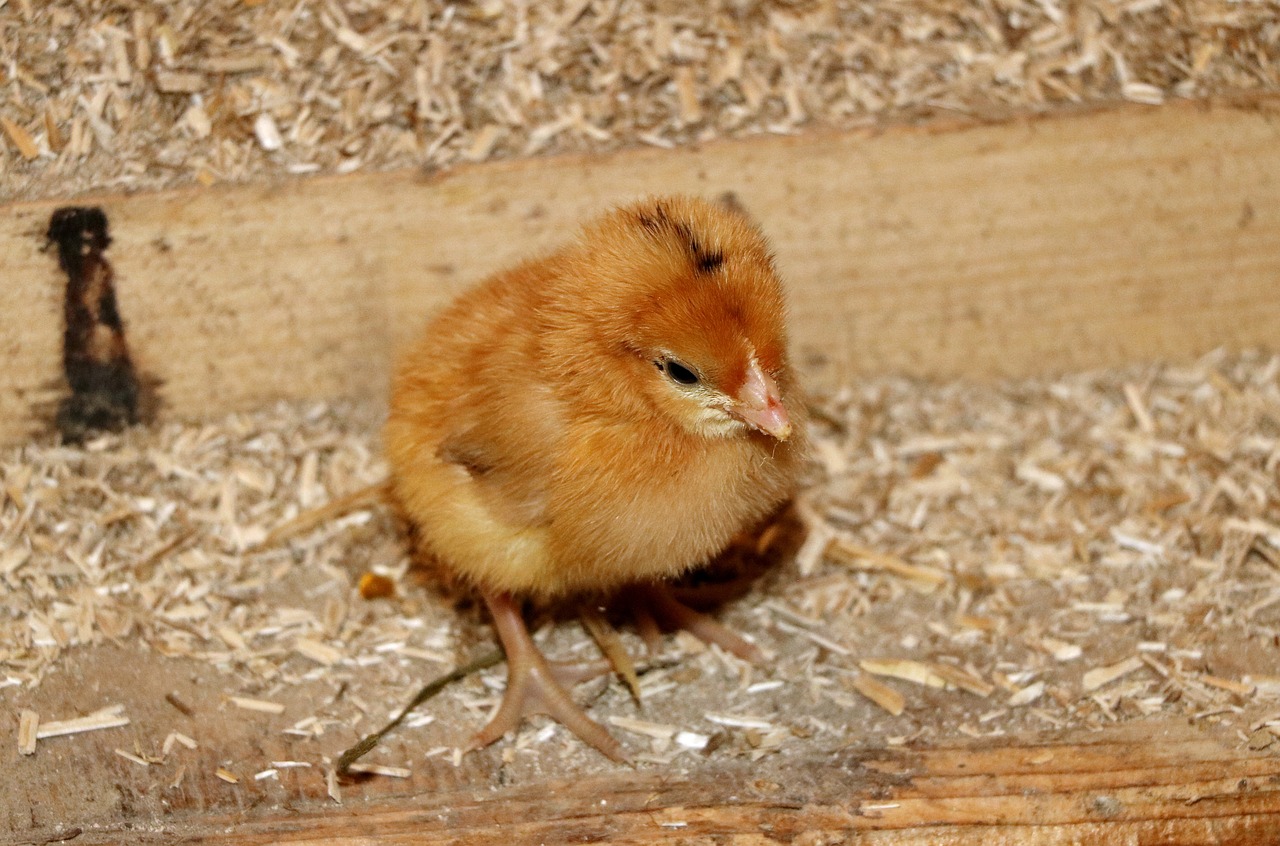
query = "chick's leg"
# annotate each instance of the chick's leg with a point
(656, 601)
(533, 686)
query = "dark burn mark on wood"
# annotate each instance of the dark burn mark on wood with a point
(95, 355)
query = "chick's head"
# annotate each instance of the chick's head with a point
(681, 304)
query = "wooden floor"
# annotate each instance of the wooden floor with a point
(1141, 783)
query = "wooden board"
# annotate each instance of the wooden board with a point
(1143, 783)
(1034, 245)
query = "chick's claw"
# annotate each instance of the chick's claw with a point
(537, 686)
(655, 604)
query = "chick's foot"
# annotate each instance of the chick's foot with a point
(654, 605)
(537, 686)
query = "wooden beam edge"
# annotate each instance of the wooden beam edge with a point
(1188, 789)
(1067, 240)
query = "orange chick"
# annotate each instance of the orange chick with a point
(607, 416)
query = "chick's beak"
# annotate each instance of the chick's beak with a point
(758, 404)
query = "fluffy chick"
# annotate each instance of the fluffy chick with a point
(607, 415)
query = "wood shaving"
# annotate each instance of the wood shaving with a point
(28, 728)
(129, 756)
(849, 553)
(957, 677)
(740, 721)
(1101, 676)
(374, 586)
(177, 737)
(133, 94)
(692, 740)
(644, 727)
(1145, 584)
(256, 705)
(381, 769)
(93, 722)
(881, 694)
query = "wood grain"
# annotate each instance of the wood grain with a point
(1143, 783)
(1034, 245)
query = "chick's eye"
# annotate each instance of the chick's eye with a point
(678, 372)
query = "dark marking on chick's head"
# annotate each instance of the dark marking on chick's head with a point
(654, 220)
(704, 260)
(708, 262)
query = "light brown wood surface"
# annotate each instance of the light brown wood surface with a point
(1027, 246)
(1159, 782)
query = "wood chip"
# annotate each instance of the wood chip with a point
(687, 91)
(28, 727)
(825, 642)
(93, 722)
(1061, 650)
(913, 671)
(692, 740)
(53, 133)
(380, 769)
(1102, 676)
(963, 679)
(1141, 92)
(269, 138)
(129, 756)
(21, 139)
(321, 653)
(1139, 409)
(880, 693)
(177, 737)
(373, 586)
(180, 82)
(852, 555)
(260, 705)
(740, 721)
(1027, 695)
(1238, 688)
(484, 142)
(226, 775)
(648, 729)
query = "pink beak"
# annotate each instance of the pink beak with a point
(759, 404)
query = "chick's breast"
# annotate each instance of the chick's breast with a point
(536, 449)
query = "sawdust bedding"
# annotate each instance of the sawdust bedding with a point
(132, 94)
(965, 559)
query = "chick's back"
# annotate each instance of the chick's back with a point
(533, 445)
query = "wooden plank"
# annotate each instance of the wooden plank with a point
(1039, 244)
(1142, 783)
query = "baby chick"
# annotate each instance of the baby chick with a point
(608, 415)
